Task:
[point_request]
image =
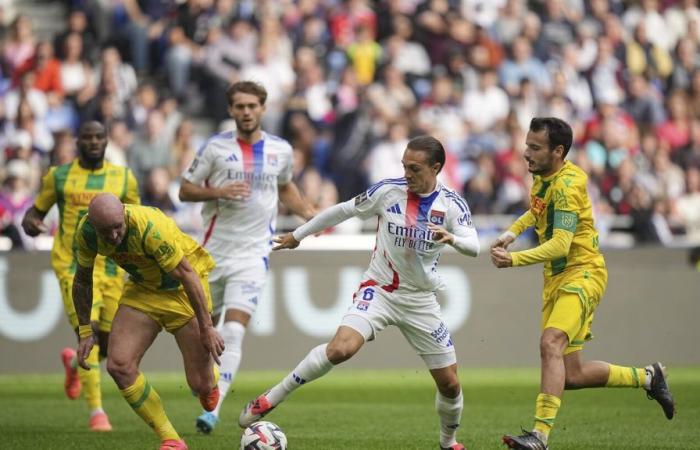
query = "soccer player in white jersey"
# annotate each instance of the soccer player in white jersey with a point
(417, 216)
(240, 175)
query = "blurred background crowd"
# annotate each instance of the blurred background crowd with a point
(350, 81)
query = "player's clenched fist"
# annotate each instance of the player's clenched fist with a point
(501, 257)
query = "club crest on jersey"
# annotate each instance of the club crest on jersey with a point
(361, 198)
(437, 217)
(272, 160)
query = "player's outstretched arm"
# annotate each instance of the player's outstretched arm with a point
(82, 301)
(33, 222)
(210, 338)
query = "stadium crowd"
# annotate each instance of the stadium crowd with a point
(349, 81)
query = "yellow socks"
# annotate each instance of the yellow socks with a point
(626, 377)
(146, 403)
(90, 380)
(546, 407)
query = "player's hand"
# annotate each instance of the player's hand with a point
(503, 241)
(213, 342)
(500, 257)
(34, 226)
(441, 235)
(238, 191)
(285, 241)
(84, 348)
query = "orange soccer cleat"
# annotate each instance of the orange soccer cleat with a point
(71, 384)
(173, 444)
(210, 400)
(100, 422)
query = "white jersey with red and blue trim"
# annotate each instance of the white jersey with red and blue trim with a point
(235, 228)
(405, 257)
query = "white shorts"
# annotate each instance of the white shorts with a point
(417, 315)
(238, 284)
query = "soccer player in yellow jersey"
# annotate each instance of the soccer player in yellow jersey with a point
(72, 186)
(167, 288)
(575, 278)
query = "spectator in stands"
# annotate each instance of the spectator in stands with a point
(20, 46)
(15, 199)
(150, 149)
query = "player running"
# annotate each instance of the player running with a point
(575, 278)
(417, 216)
(72, 186)
(241, 176)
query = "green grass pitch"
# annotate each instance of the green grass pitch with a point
(363, 410)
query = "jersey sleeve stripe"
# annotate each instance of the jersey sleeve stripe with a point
(389, 181)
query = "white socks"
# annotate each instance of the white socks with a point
(232, 333)
(450, 412)
(315, 365)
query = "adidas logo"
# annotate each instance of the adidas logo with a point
(232, 158)
(396, 209)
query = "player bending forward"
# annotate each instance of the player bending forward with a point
(417, 217)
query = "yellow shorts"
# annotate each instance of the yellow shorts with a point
(106, 292)
(569, 301)
(169, 309)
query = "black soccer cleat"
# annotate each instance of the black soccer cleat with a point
(658, 390)
(526, 441)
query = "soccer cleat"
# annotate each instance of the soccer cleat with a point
(173, 444)
(210, 400)
(658, 390)
(526, 441)
(456, 446)
(71, 385)
(254, 411)
(206, 422)
(100, 422)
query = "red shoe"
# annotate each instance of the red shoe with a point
(255, 410)
(173, 444)
(210, 400)
(456, 446)
(71, 384)
(100, 422)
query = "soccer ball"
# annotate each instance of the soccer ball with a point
(263, 436)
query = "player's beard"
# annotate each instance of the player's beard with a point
(92, 159)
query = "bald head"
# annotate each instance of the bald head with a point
(106, 214)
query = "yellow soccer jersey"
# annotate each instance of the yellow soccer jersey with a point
(152, 248)
(72, 187)
(561, 212)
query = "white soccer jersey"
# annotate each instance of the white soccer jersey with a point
(241, 228)
(405, 256)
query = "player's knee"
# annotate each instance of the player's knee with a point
(338, 352)
(450, 387)
(121, 371)
(552, 345)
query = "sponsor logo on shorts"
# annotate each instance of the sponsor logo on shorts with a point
(249, 288)
(362, 305)
(442, 334)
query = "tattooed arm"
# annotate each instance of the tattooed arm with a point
(82, 301)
